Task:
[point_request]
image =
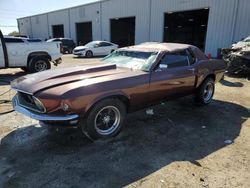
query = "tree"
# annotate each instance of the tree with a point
(14, 33)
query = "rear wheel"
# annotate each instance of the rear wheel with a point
(205, 93)
(70, 50)
(104, 120)
(38, 64)
(89, 54)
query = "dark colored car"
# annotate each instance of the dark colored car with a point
(97, 98)
(67, 44)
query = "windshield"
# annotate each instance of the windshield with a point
(90, 44)
(132, 59)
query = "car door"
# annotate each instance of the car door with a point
(105, 48)
(17, 51)
(174, 76)
(97, 49)
(108, 48)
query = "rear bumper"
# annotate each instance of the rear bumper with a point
(42, 117)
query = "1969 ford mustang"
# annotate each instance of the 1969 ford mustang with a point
(97, 98)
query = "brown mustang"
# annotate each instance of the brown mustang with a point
(97, 98)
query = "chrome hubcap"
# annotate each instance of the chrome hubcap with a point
(107, 120)
(208, 92)
(40, 66)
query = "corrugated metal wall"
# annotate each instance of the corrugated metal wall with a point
(24, 25)
(89, 13)
(57, 18)
(40, 26)
(242, 26)
(229, 20)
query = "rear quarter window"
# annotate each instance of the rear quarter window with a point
(176, 59)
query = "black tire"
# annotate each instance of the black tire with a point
(204, 94)
(89, 54)
(99, 122)
(38, 64)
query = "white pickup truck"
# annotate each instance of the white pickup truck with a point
(28, 55)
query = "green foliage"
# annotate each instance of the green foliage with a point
(14, 33)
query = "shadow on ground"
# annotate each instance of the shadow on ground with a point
(6, 78)
(231, 84)
(30, 157)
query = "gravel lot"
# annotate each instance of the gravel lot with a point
(181, 145)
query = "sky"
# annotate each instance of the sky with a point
(10, 10)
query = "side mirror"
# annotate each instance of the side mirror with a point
(163, 66)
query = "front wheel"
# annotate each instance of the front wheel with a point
(89, 54)
(104, 120)
(205, 92)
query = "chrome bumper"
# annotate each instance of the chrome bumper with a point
(41, 117)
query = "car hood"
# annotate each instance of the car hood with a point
(81, 48)
(34, 83)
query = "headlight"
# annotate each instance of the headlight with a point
(65, 107)
(39, 104)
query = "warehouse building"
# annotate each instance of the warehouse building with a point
(208, 24)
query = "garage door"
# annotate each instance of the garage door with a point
(188, 27)
(84, 33)
(58, 31)
(123, 31)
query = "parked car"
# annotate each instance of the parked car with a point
(67, 44)
(95, 48)
(97, 98)
(28, 55)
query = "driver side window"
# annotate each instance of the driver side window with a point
(175, 59)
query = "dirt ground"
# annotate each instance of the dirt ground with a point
(181, 145)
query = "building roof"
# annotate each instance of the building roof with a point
(96, 1)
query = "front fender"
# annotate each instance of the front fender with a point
(104, 96)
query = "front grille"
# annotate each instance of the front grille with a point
(27, 101)
(78, 50)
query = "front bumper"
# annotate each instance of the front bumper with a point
(42, 117)
(79, 53)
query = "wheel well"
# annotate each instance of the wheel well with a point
(39, 54)
(122, 98)
(210, 76)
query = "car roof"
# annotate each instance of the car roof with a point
(157, 46)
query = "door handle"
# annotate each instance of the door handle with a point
(192, 69)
